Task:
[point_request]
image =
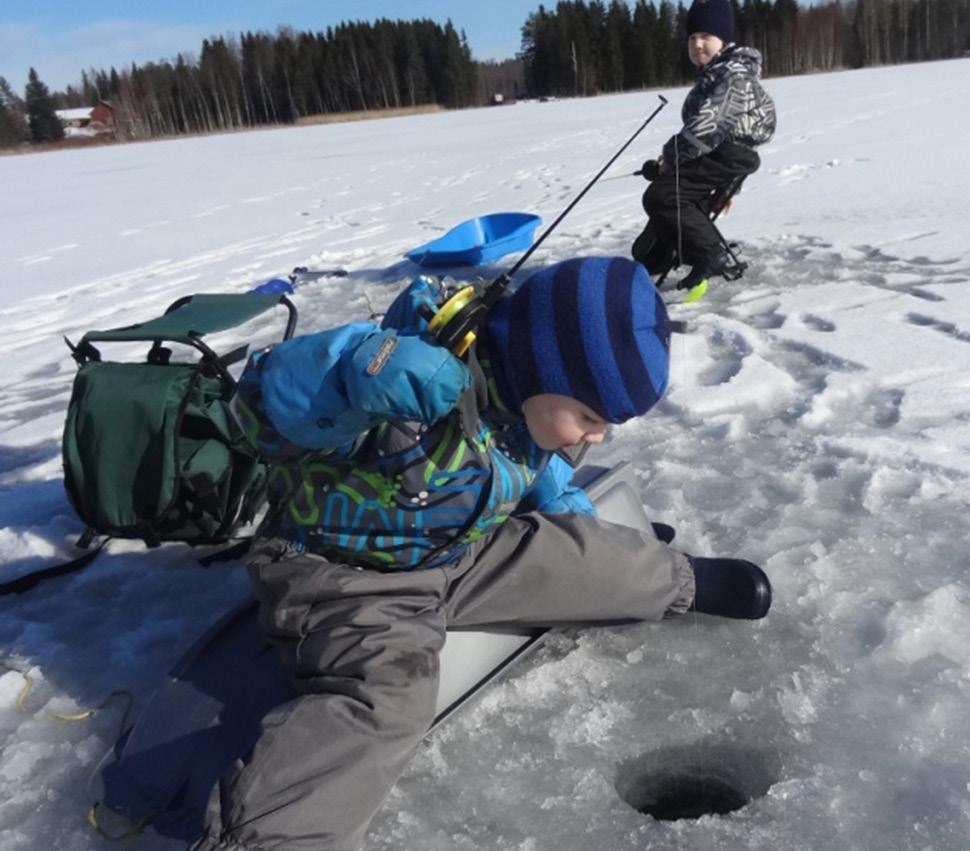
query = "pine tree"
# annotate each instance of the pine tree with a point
(411, 70)
(43, 122)
(8, 129)
(667, 46)
(646, 72)
(13, 125)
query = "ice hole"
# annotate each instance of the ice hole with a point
(690, 781)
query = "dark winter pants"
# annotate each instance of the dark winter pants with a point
(363, 648)
(671, 200)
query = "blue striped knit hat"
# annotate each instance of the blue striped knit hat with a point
(594, 329)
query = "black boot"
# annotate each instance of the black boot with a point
(730, 588)
(653, 253)
(708, 268)
(664, 532)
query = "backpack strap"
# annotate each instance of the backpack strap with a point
(234, 551)
(475, 398)
(28, 581)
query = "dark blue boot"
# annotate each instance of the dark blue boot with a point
(664, 532)
(730, 588)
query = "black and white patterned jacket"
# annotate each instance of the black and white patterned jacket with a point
(727, 104)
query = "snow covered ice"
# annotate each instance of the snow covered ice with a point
(817, 423)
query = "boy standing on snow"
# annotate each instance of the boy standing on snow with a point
(726, 116)
(412, 491)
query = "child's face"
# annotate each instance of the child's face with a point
(703, 47)
(555, 421)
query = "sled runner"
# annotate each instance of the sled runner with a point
(207, 711)
(660, 259)
(478, 241)
(296, 277)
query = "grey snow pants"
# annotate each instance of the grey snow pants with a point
(362, 647)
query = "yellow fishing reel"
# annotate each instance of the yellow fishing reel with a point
(455, 324)
(448, 324)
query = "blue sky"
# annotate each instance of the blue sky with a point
(61, 37)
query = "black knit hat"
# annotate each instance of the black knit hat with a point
(594, 329)
(712, 16)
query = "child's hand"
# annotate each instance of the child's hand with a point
(393, 376)
(321, 390)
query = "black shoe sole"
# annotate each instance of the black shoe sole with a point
(731, 588)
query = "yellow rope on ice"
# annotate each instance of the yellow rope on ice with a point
(25, 690)
(88, 713)
(84, 714)
(134, 827)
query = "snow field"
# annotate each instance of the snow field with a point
(817, 423)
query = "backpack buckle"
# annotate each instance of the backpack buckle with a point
(83, 352)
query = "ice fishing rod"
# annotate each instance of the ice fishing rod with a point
(457, 321)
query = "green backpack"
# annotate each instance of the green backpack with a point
(151, 450)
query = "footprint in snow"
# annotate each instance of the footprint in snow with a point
(801, 358)
(728, 351)
(947, 328)
(767, 318)
(817, 323)
(881, 408)
(926, 295)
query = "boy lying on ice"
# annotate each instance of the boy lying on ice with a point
(412, 491)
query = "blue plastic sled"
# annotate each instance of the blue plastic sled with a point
(478, 241)
(207, 712)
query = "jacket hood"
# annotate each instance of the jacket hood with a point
(738, 53)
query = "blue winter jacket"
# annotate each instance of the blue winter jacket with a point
(378, 457)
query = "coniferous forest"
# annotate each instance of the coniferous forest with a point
(576, 48)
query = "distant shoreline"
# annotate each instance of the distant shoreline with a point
(366, 114)
(306, 121)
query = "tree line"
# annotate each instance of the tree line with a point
(576, 48)
(585, 48)
(261, 79)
